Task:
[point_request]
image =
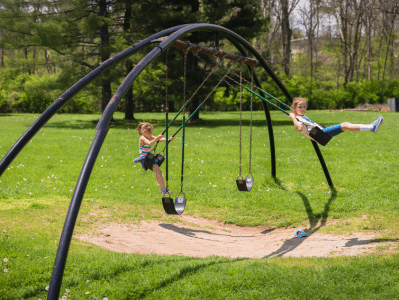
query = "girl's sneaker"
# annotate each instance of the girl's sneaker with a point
(165, 190)
(377, 124)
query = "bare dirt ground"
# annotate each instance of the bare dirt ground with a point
(205, 237)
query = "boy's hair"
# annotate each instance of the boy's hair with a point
(298, 100)
(143, 127)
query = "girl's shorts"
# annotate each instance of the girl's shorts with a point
(333, 130)
(141, 160)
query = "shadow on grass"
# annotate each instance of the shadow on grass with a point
(140, 293)
(278, 183)
(183, 272)
(291, 244)
(356, 242)
(314, 218)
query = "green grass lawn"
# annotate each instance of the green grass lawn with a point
(36, 189)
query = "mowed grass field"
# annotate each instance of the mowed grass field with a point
(36, 190)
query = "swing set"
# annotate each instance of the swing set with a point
(177, 206)
(171, 36)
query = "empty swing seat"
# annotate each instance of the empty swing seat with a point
(245, 185)
(174, 207)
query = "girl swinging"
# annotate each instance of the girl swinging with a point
(145, 142)
(305, 125)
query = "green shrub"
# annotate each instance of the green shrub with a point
(35, 93)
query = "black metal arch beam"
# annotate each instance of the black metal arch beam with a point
(70, 93)
(102, 129)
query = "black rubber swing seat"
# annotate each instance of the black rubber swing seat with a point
(245, 185)
(319, 136)
(152, 159)
(174, 207)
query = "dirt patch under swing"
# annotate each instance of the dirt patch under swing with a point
(206, 238)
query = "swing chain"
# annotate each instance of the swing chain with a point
(210, 73)
(166, 79)
(182, 155)
(214, 60)
(240, 118)
(215, 87)
(250, 126)
(224, 76)
(166, 92)
(185, 78)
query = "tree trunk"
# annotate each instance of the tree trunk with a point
(26, 58)
(2, 59)
(344, 40)
(104, 52)
(2, 51)
(194, 68)
(387, 51)
(129, 97)
(33, 63)
(129, 100)
(46, 57)
(286, 32)
(379, 52)
(369, 46)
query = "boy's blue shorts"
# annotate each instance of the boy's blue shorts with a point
(333, 130)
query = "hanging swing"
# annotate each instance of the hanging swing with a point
(175, 207)
(315, 133)
(245, 185)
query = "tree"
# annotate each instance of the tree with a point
(83, 34)
(349, 16)
(241, 16)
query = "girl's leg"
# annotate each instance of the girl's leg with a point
(362, 127)
(158, 174)
(353, 127)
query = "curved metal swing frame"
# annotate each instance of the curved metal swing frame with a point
(103, 125)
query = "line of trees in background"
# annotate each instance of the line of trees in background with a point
(336, 53)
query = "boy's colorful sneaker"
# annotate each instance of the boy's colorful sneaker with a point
(165, 191)
(376, 124)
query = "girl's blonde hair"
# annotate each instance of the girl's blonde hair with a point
(296, 101)
(143, 127)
